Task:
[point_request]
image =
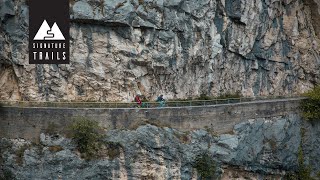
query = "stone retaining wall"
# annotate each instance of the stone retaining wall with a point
(28, 123)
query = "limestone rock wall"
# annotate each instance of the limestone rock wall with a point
(262, 148)
(180, 48)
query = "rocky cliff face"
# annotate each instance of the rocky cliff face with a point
(256, 149)
(180, 48)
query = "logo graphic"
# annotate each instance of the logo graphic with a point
(49, 25)
(47, 33)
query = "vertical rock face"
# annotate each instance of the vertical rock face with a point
(314, 6)
(180, 48)
(255, 149)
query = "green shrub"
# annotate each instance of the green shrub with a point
(303, 172)
(87, 137)
(205, 166)
(310, 107)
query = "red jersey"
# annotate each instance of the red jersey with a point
(138, 100)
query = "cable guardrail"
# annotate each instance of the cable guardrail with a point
(180, 103)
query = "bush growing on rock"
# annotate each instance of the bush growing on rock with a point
(87, 137)
(311, 106)
(303, 172)
(205, 166)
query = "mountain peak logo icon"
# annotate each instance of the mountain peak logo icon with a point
(47, 33)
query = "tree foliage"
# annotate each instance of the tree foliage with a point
(311, 106)
(303, 172)
(87, 137)
(205, 166)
